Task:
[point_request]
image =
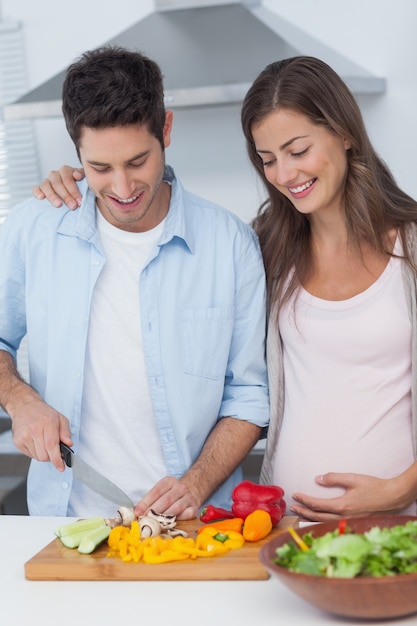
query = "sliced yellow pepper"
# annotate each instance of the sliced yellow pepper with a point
(298, 540)
(191, 547)
(116, 534)
(126, 543)
(150, 555)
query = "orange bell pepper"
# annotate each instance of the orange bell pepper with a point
(235, 524)
(257, 525)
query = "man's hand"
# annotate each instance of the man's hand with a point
(60, 187)
(364, 495)
(169, 496)
(225, 448)
(38, 429)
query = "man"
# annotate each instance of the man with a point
(144, 312)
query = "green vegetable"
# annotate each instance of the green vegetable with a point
(74, 540)
(79, 526)
(377, 552)
(93, 539)
(83, 533)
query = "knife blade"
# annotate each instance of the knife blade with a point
(92, 478)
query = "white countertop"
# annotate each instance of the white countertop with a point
(107, 603)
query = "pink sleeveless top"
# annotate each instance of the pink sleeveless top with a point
(347, 371)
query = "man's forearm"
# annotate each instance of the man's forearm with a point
(226, 447)
(12, 386)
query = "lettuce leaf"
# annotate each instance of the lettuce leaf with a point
(377, 552)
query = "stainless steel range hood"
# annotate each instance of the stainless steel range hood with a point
(209, 53)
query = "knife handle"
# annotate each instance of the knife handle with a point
(66, 454)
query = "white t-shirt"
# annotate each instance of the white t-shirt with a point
(118, 434)
(347, 371)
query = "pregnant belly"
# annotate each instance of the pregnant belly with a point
(296, 466)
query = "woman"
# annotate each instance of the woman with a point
(339, 243)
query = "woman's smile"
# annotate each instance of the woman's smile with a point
(306, 162)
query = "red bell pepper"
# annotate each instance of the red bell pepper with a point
(249, 491)
(243, 509)
(248, 496)
(212, 513)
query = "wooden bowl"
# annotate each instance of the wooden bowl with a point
(365, 598)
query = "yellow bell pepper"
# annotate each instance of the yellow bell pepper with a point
(211, 547)
(231, 539)
(212, 539)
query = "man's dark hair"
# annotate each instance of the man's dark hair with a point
(112, 86)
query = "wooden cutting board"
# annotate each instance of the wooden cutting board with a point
(55, 562)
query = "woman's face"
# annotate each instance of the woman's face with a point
(305, 162)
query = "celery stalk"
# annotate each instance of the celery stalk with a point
(74, 540)
(93, 539)
(79, 526)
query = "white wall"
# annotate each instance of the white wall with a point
(208, 151)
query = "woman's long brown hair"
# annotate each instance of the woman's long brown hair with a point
(372, 201)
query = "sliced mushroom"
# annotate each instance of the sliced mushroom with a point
(175, 532)
(166, 521)
(125, 516)
(149, 526)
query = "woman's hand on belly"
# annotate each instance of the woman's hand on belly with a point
(364, 495)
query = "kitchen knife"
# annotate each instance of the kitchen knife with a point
(92, 478)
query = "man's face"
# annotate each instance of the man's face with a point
(124, 166)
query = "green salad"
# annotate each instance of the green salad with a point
(343, 553)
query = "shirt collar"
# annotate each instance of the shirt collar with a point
(82, 222)
(176, 224)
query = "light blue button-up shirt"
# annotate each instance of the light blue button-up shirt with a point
(202, 296)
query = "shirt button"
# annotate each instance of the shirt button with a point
(65, 485)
